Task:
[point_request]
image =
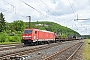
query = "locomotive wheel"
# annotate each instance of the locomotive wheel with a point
(48, 42)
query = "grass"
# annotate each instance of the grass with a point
(86, 54)
(5, 43)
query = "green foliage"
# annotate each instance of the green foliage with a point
(10, 27)
(2, 23)
(2, 37)
(19, 25)
(15, 38)
(15, 26)
(63, 36)
(12, 34)
(18, 32)
(15, 29)
(86, 49)
(88, 37)
(54, 27)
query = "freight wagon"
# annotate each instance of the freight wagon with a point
(36, 36)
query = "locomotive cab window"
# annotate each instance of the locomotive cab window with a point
(27, 31)
(35, 32)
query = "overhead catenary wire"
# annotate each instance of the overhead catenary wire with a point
(12, 12)
(72, 8)
(71, 5)
(30, 6)
(10, 4)
(14, 9)
(46, 10)
(39, 4)
(34, 9)
(49, 7)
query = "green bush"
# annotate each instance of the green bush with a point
(10, 39)
(88, 37)
(63, 36)
(8, 31)
(2, 37)
(12, 34)
(17, 38)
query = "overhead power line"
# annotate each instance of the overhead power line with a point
(14, 9)
(11, 12)
(42, 7)
(30, 6)
(34, 9)
(10, 4)
(74, 12)
(72, 7)
(48, 6)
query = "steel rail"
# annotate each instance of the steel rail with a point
(74, 52)
(28, 51)
(53, 55)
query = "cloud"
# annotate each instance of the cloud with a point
(59, 11)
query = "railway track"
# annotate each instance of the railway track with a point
(11, 46)
(65, 54)
(29, 52)
(23, 52)
(50, 54)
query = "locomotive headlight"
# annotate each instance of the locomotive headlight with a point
(26, 37)
(29, 36)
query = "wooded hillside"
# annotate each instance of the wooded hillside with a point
(54, 27)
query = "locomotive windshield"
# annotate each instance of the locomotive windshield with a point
(27, 31)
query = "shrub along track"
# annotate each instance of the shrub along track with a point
(21, 52)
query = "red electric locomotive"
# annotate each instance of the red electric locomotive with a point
(31, 36)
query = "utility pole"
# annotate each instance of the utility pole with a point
(29, 21)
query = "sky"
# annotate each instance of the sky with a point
(63, 12)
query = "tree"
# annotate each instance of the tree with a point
(18, 25)
(11, 27)
(2, 22)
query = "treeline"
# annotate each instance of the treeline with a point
(11, 32)
(54, 27)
